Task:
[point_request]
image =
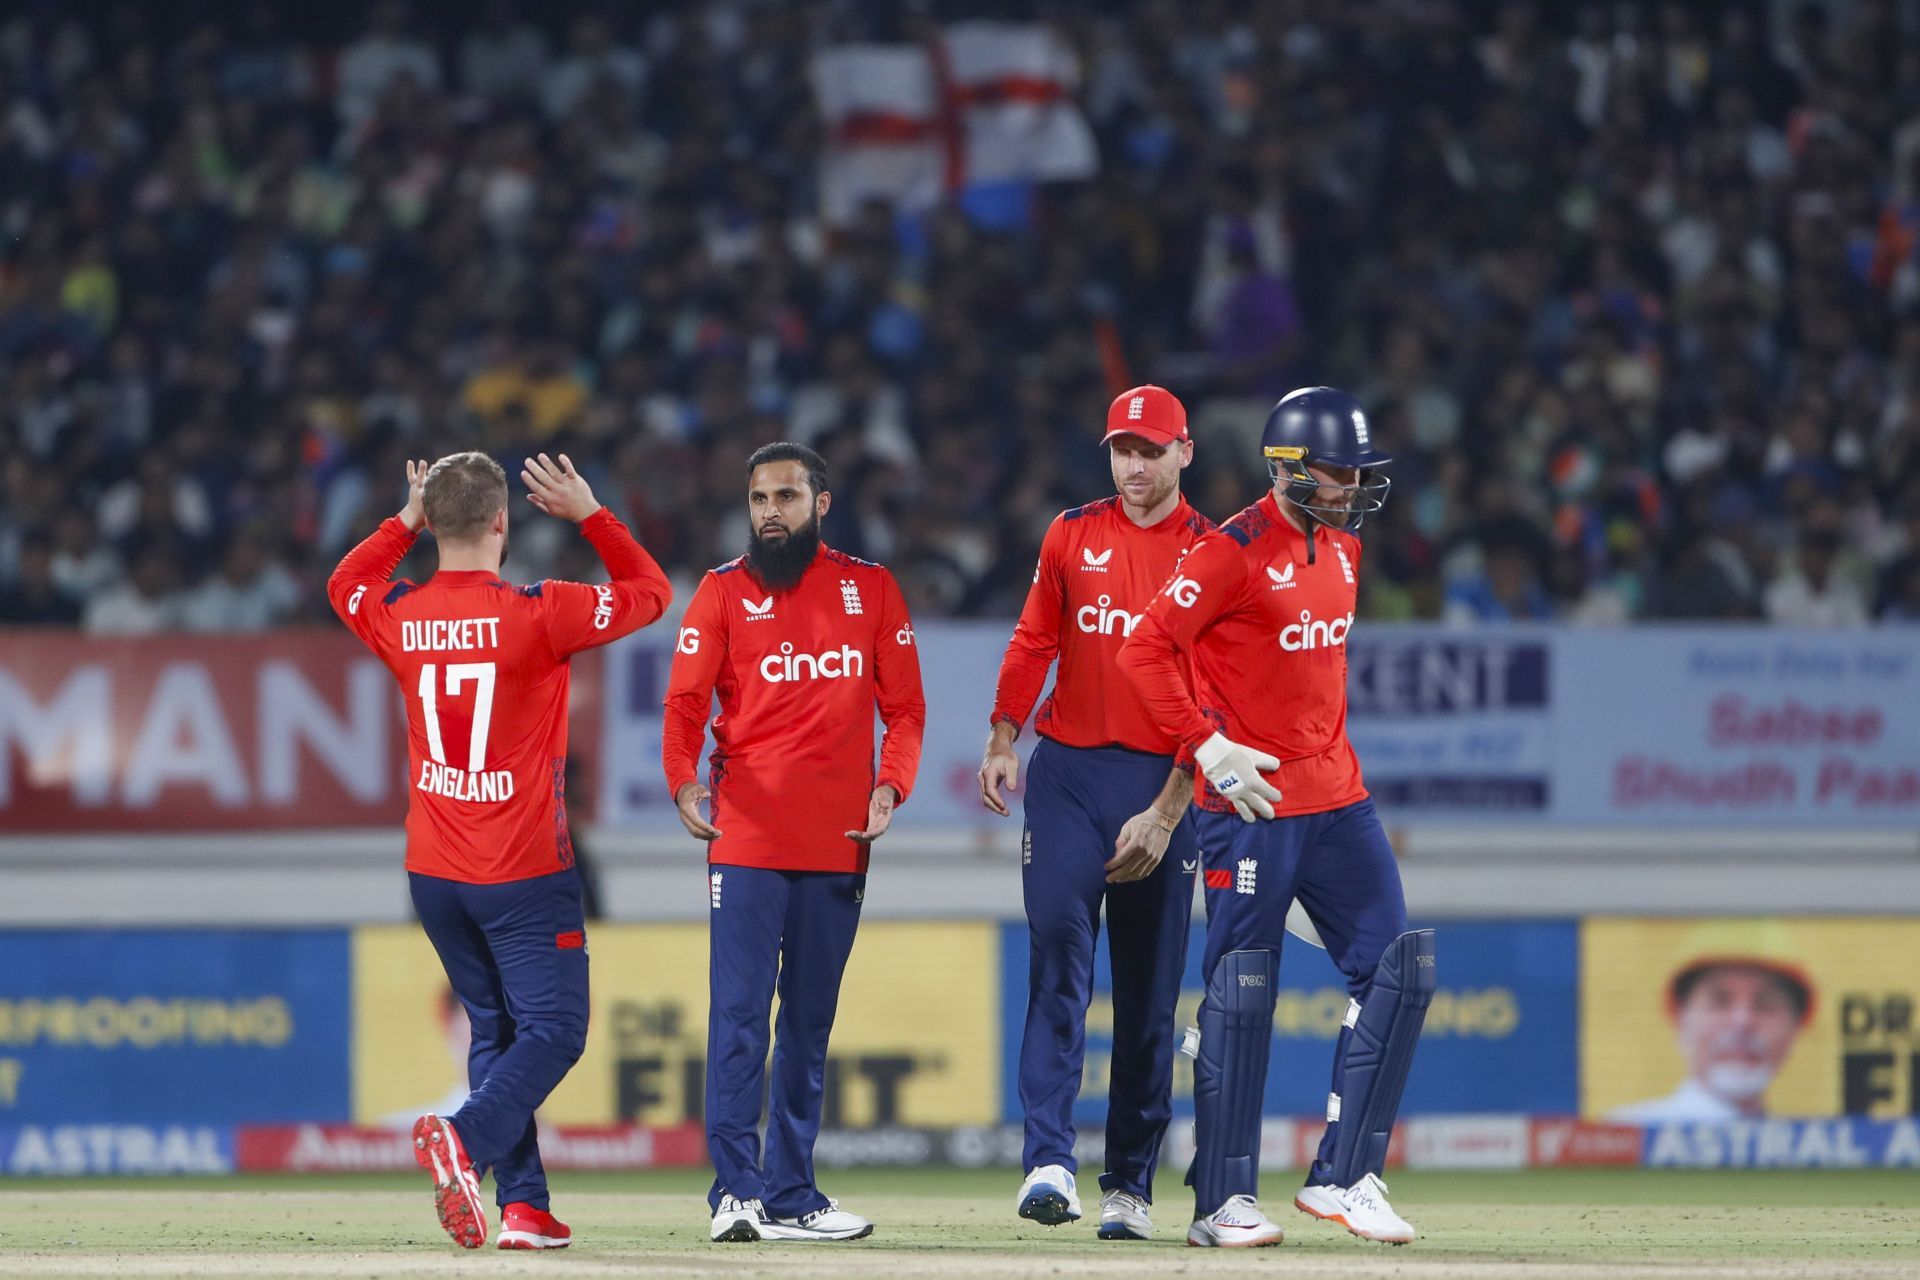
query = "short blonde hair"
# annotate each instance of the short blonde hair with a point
(462, 494)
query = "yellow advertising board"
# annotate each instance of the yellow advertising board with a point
(916, 1042)
(1703, 1020)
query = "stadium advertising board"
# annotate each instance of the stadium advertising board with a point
(915, 1042)
(1729, 726)
(147, 1029)
(1500, 1034)
(1695, 1022)
(1739, 727)
(201, 733)
(1450, 721)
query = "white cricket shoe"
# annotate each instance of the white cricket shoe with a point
(1361, 1208)
(1237, 1224)
(737, 1221)
(830, 1223)
(1048, 1196)
(1124, 1216)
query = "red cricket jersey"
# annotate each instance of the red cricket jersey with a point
(483, 666)
(1267, 632)
(799, 675)
(1098, 572)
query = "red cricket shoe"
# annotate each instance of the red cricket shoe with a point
(524, 1227)
(456, 1187)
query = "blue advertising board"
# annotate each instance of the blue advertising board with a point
(104, 1027)
(1501, 1036)
(1450, 722)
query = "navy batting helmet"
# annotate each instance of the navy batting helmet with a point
(1320, 424)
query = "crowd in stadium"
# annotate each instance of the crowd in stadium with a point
(1630, 290)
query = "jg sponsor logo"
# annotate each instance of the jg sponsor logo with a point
(1184, 591)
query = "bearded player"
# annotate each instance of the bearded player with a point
(484, 669)
(802, 644)
(1263, 607)
(1106, 820)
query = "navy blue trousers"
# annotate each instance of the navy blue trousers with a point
(1077, 801)
(516, 956)
(1341, 868)
(789, 931)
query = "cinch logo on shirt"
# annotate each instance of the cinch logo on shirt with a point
(1095, 563)
(603, 607)
(1314, 633)
(1282, 578)
(1102, 620)
(845, 662)
(757, 612)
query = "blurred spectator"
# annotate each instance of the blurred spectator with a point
(1813, 591)
(503, 56)
(388, 51)
(250, 593)
(35, 598)
(145, 603)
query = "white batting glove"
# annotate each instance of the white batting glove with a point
(1234, 771)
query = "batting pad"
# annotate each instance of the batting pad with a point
(1230, 1076)
(1378, 1054)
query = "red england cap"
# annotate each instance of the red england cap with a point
(1150, 412)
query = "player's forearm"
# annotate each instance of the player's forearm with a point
(1176, 793)
(1023, 674)
(373, 559)
(900, 749)
(1149, 662)
(634, 572)
(682, 734)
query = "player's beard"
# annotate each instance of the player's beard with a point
(780, 562)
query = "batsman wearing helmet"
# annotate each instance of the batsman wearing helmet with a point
(1262, 607)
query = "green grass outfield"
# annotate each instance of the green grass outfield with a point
(1564, 1224)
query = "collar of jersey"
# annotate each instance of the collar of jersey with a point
(463, 577)
(1180, 510)
(1271, 505)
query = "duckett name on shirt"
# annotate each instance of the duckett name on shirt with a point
(1315, 633)
(845, 662)
(1102, 619)
(433, 635)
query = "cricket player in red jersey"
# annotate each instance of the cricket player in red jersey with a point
(802, 644)
(1105, 820)
(483, 667)
(1263, 607)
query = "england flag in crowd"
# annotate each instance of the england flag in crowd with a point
(987, 102)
